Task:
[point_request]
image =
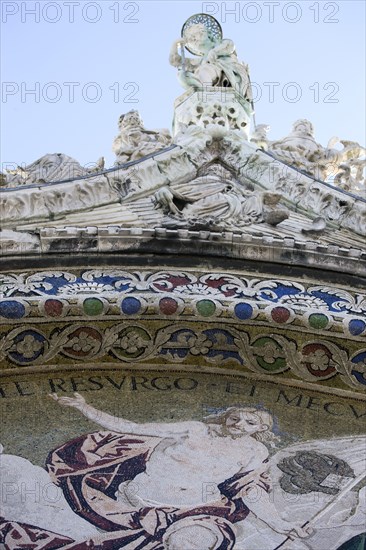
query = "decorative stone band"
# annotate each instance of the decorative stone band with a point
(287, 250)
(40, 203)
(308, 193)
(180, 162)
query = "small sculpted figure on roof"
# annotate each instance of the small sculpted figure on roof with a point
(300, 149)
(134, 141)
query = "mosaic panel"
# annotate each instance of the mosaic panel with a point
(147, 459)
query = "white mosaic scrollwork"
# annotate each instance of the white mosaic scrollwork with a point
(346, 301)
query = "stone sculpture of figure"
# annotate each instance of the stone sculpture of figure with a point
(331, 161)
(358, 165)
(51, 167)
(357, 178)
(259, 136)
(215, 200)
(350, 177)
(99, 166)
(301, 150)
(134, 141)
(217, 65)
(344, 179)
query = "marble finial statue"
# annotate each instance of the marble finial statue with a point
(218, 93)
(134, 141)
(216, 63)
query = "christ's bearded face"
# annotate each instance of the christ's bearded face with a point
(242, 422)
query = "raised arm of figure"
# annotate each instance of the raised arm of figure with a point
(122, 425)
(176, 59)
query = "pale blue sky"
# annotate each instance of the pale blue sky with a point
(125, 54)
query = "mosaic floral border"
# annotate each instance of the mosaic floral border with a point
(312, 359)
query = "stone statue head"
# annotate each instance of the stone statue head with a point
(200, 38)
(130, 119)
(303, 126)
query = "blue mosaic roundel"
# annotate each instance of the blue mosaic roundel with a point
(28, 346)
(356, 326)
(359, 370)
(130, 306)
(243, 311)
(11, 309)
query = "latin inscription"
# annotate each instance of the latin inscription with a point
(180, 383)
